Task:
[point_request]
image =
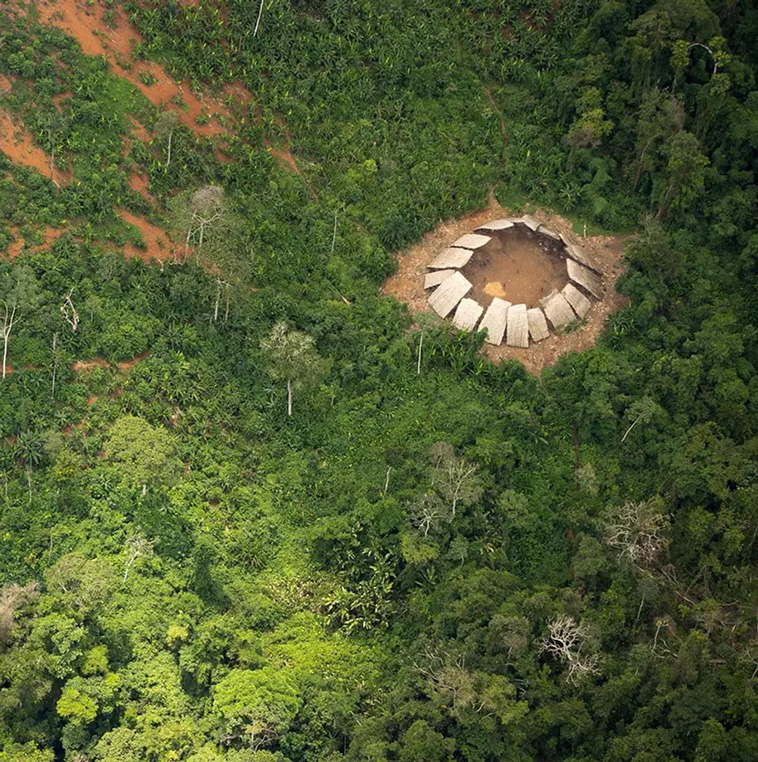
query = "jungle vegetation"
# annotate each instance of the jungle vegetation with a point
(254, 530)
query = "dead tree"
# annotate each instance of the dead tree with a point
(70, 315)
(165, 125)
(565, 641)
(205, 208)
(11, 598)
(429, 513)
(455, 479)
(137, 547)
(6, 327)
(638, 530)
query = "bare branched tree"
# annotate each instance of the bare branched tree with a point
(205, 207)
(19, 293)
(565, 641)
(137, 547)
(429, 513)
(164, 128)
(660, 647)
(455, 480)
(639, 531)
(448, 676)
(68, 311)
(11, 597)
(211, 231)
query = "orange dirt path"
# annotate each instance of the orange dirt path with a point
(140, 183)
(101, 362)
(17, 143)
(85, 23)
(159, 246)
(48, 236)
(407, 284)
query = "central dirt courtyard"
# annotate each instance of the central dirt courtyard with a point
(518, 265)
(531, 271)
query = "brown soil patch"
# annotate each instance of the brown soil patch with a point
(139, 131)
(101, 362)
(518, 265)
(48, 236)
(158, 245)
(140, 183)
(85, 23)
(407, 284)
(18, 145)
(283, 155)
(126, 364)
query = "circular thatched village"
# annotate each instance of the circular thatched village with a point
(486, 280)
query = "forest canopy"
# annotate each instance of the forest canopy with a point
(241, 516)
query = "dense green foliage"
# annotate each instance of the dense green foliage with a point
(187, 572)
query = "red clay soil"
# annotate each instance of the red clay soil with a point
(139, 131)
(84, 22)
(158, 245)
(100, 362)
(518, 265)
(17, 143)
(287, 161)
(282, 155)
(407, 284)
(140, 183)
(48, 236)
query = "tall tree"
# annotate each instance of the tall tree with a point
(19, 293)
(292, 357)
(163, 130)
(684, 175)
(211, 230)
(143, 454)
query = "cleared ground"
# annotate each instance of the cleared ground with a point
(407, 284)
(518, 265)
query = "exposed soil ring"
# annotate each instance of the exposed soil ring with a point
(518, 265)
(407, 284)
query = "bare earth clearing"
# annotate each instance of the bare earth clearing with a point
(516, 265)
(207, 115)
(407, 284)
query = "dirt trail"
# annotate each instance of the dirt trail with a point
(287, 161)
(84, 365)
(86, 24)
(17, 143)
(101, 362)
(159, 246)
(407, 284)
(140, 183)
(48, 236)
